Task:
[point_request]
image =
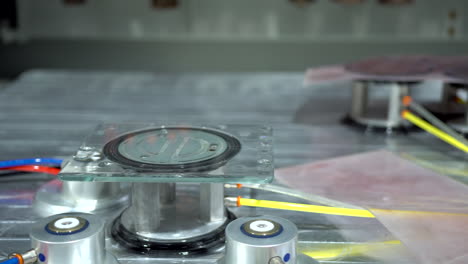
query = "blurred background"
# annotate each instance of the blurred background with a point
(68, 65)
(222, 35)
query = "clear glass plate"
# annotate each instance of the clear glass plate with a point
(180, 152)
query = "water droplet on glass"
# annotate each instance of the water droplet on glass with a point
(264, 161)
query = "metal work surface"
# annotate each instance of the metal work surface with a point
(48, 113)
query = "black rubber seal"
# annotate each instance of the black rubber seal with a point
(347, 120)
(111, 151)
(196, 245)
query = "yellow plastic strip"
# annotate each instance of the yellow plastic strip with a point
(395, 211)
(339, 251)
(305, 208)
(433, 130)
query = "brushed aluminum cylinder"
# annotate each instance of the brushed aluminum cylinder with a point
(143, 217)
(359, 99)
(167, 193)
(261, 240)
(212, 202)
(90, 190)
(72, 238)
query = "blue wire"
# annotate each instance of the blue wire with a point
(37, 161)
(10, 261)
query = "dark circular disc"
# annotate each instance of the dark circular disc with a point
(173, 149)
(67, 225)
(396, 65)
(262, 228)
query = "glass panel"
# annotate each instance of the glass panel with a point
(174, 153)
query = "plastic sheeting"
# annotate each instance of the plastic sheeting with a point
(449, 69)
(428, 212)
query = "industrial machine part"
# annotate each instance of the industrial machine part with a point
(360, 114)
(58, 197)
(166, 212)
(169, 153)
(263, 240)
(449, 102)
(71, 238)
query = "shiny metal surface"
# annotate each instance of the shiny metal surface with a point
(91, 190)
(360, 104)
(449, 94)
(189, 216)
(243, 248)
(58, 197)
(29, 257)
(168, 194)
(359, 99)
(143, 217)
(48, 112)
(85, 246)
(212, 202)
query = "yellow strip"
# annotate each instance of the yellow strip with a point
(433, 130)
(306, 208)
(337, 251)
(432, 213)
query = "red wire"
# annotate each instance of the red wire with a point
(34, 168)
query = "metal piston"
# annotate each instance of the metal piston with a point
(361, 115)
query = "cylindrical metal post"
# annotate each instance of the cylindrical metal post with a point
(448, 93)
(167, 193)
(212, 202)
(265, 239)
(397, 92)
(70, 238)
(143, 215)
(359, 99)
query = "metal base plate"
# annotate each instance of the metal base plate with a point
(111, 259)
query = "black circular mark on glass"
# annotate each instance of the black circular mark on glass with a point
(231, 146)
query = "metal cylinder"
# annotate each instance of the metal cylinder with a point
(360, 94)
(261, 240)
(143, 217)
(212, 202)
(90, 190)
(70, 238)
(167, 193)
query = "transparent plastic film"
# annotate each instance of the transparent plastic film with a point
(426, 211)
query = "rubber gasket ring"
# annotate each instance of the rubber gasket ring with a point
(85, 226)
(111, 151)
(196, 245)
